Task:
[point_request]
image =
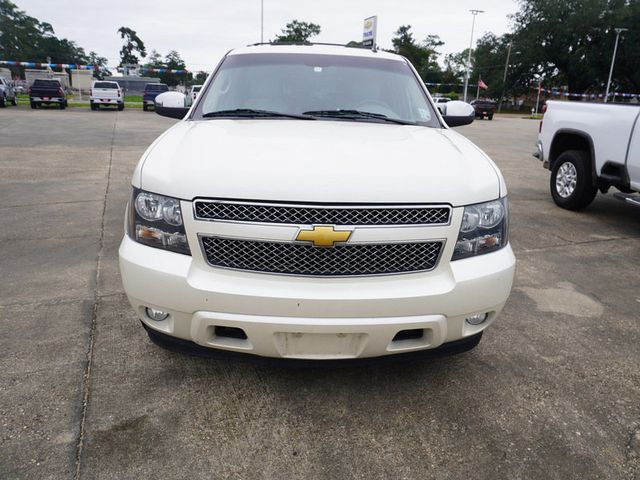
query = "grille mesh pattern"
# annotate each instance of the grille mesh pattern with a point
(308, 215)
(341, 260)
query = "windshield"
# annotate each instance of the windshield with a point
(320, 86)
(105, 85)
(156, 87)
(46, 83)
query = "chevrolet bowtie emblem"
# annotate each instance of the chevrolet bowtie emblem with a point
(323, 236)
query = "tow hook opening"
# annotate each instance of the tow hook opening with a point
(229, 332)
(413, 334)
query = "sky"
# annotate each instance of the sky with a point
(202, 31)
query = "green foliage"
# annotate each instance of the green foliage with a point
(488, 62)
(422, 55)
(25, 38)
(451, 95)
(172, 61)
(455, 65)
(571, 42)
(199, 78)
(297, 32)
(132, 44)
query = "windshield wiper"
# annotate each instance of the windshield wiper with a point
(251, 113)
(356, 114)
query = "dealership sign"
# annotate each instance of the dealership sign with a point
(369, 32)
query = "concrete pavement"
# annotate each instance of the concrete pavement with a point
(552, 391)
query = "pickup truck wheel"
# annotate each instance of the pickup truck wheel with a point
(571, 185)
(121, 107)
(93, 106)
(14, 102)
(144, 108)
(63, 105)
(34, 105)
(491, 117)
(3, 102)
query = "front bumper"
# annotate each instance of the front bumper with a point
(314, 318)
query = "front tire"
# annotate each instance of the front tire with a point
(144, 107)
(63, 105)
(571, 180)
(3, 101)
(14, 102)
(93, 106)
(34, 105)
(121, 107)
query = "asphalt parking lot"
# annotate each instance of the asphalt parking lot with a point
(552, 391)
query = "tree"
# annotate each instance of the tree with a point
(423, 55)
(171, 61)
(571, 42)
(297, 32)
(455, 65)
(132, 44)
(200, 78)
(25, 38)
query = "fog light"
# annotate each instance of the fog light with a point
(477, 319)
(156, 315)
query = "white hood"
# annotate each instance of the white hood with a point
(317, 161)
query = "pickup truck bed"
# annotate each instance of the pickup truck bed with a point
(46, 92)
(590, 147)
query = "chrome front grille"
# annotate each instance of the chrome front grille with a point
(302, 259)
(321, 215)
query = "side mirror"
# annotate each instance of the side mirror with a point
(457, 113)
(172, 105)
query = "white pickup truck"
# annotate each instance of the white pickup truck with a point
(313, 204)
(106, 93)
(590, 147)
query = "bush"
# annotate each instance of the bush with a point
(451, 95)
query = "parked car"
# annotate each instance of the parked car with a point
(484, 108)
(151, 91)
(106, 93)
(47, 92)
(193, 93)
(313, 204)
(440, 101)
(7, 93)
(590, 147)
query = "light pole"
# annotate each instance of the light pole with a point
(261, 21)
(466, 77)
(613, 61)
(504, 77)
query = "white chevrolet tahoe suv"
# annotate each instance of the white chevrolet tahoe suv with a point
(313, 204)
(590, 147)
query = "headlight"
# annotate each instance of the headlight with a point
(484, 229)
(156, 220)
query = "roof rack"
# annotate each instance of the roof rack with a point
(354, 45)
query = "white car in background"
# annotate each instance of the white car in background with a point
(193, 93)
(440, 102)
(107, 93)
(314, 205)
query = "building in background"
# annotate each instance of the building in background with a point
(31, 74)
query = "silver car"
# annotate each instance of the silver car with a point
(7, 93)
